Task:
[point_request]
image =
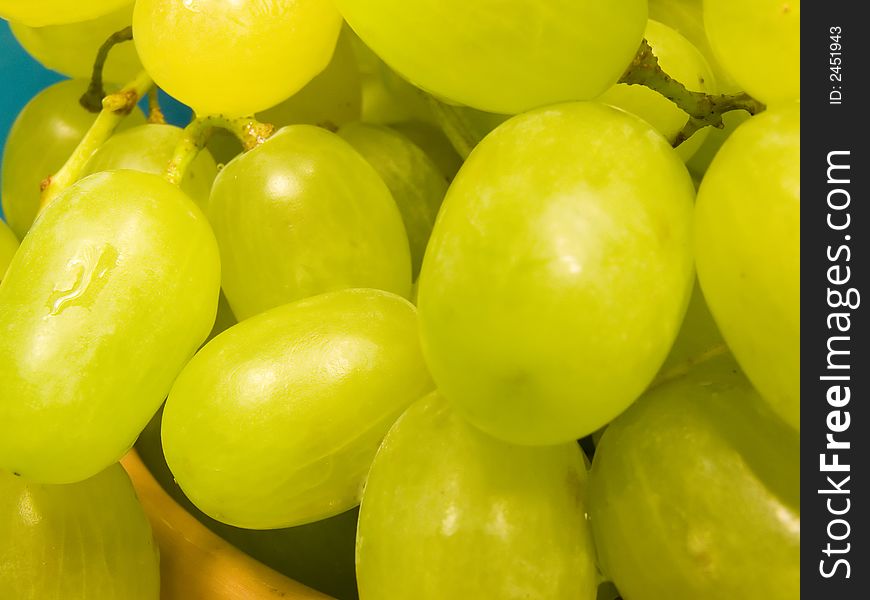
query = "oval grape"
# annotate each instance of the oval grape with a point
(554, 228)
(303, 214)
(240, 56)
(108, 296)
(412, 178)
(149, 148)
(70, 49)
(443, 499)
(42, 138)
(79, 541)
(38, 13)
(275, 422)
(563, 49)
(748, 252)
(742, 31)
(695, 493)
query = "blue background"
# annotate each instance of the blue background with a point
(21, 78)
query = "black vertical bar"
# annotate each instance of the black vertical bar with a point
(835, 224)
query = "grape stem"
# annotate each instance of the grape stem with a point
(115, 108)
(250, 133)
(155, 113)
(703, 109)
(92, 99)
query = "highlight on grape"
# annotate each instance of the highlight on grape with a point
(427, 299)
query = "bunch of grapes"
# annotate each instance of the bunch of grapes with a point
(409, 309)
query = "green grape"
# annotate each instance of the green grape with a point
(43, 136)
(563, 50)
(695, 493)
(431, 139)
(8, 246)
(449, 512)
(71, 48)
(275, 422)
(234, 57)
(758, 43)
(686, 18)
(39, 13)
(331, 99)
(747, 247)
(304, 214)
(529, 289)
(682, 61)
(319, 555)
(109, 295)
(80, 541)
(149, 148)
(414, 181)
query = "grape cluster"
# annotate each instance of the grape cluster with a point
(357, 314)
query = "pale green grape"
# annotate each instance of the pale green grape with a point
(108, 296)
(449, 512)
(556, 226)
(682, 61)
(695, 493)
(686, 18)
(234, 57)
(71, 48)
(303, 214)
(149, 148)
(331, 99)
(747, 245)
(8, 246)
(319, 555)
(431, 139)
(275, 422)
(43, 136)
(38, 13)
(413, 180)
(81, 541)
(758, 43)
(503, 56)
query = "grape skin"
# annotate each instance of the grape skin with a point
(43, 136)
(758, 43)
(303, 214)
(449, 512)
(495, 65)
(413, 180)
(275, 422)
(79, 541)
(148, 149)
(528, 289)
(695, 493)
(239, 56)
(747, 248)
(39, 13)
(107, 298)
(331, 99)
(70, 49)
